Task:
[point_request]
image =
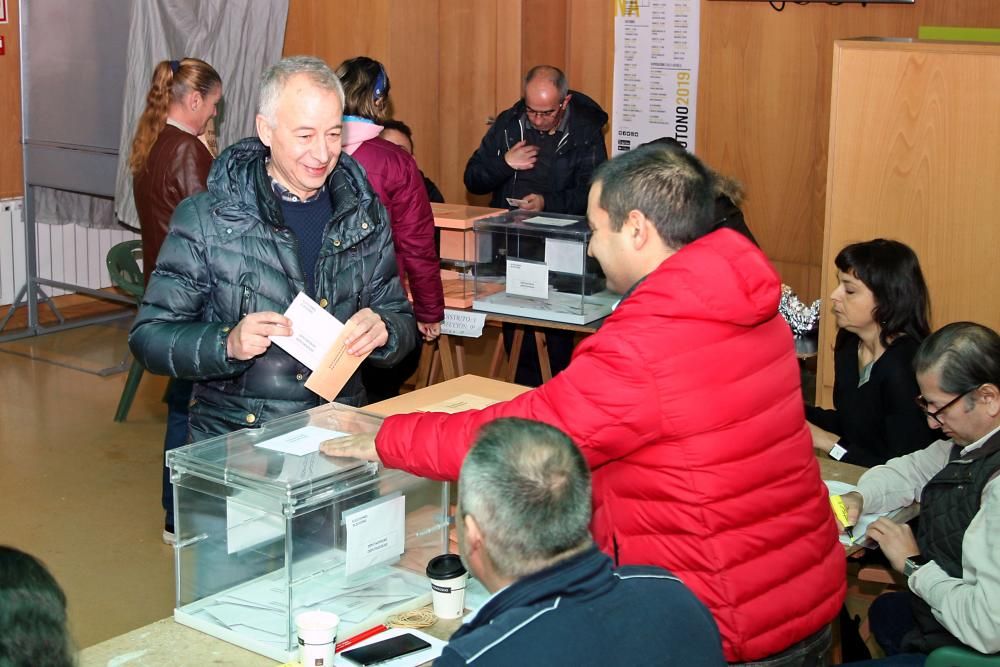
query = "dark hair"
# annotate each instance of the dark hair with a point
(32, 614)
(966, 354)
(670, 187)
(366, 88)
(399, 126)
(890, 269)
(528, 487)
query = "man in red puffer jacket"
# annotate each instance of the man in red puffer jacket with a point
(687, 406)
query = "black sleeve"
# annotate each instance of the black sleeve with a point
(486, 170)
(828, 420)
(574, 200)
(433, 193)
(904, 426)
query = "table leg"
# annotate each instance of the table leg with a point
(515, 352)
(423, 378)
(543, 356)
(447, 361)
(460, 356)
(499, 358)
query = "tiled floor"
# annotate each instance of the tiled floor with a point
(80, 491)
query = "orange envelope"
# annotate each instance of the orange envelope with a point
(336, 368)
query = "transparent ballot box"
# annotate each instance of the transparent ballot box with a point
(539, 268)
(459, 250)
(268, 527)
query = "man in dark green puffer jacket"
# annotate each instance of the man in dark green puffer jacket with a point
(284, 213)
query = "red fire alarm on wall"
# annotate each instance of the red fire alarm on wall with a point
(3, 48)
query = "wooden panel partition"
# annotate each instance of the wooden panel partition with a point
(913, 144)
(764, 108)
(11, 176)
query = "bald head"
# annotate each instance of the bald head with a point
(545, 95)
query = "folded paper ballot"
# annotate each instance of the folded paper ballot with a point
(317, 341)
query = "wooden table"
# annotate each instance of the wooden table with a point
(418, 400)
(166, 643)
(447, 353)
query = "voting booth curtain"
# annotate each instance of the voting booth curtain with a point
(239, 38)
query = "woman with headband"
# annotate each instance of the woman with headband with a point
(395, 177)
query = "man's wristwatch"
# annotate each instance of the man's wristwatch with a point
(914, 563)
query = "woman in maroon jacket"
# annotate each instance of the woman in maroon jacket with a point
(397, 180)
(169, 163)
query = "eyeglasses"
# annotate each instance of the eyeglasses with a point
(926, 408)
(543, 114)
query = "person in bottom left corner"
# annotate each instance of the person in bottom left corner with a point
(33, 630)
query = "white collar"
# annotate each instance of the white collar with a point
(181, 126)
(979, 443)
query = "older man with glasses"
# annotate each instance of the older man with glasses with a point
(952, 564)
(540, 155)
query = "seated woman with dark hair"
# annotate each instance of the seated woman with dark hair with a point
(32, 614)
(883, 311)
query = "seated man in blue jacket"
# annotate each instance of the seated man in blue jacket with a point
(524, 507)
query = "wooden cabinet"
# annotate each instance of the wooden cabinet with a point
(915, 156)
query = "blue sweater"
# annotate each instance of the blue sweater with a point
(582, 611)
(308, 221)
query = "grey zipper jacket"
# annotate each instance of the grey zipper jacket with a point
(228, 254)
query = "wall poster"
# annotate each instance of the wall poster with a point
(656, 72)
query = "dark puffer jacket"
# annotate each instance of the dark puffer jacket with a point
(229, 254)
(579, 152)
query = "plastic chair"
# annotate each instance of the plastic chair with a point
(953, 656)
(123, 266)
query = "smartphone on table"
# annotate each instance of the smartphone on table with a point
(385, 650)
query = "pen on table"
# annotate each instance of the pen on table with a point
(840, 511)
(360, 637)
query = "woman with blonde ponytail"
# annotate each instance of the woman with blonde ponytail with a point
(169, 162)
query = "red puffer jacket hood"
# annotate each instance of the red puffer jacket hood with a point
(687, 406)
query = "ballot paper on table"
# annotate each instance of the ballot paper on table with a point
(376, 533)
(861, 527)
(460, 403)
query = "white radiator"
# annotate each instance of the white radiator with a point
(65, 253)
